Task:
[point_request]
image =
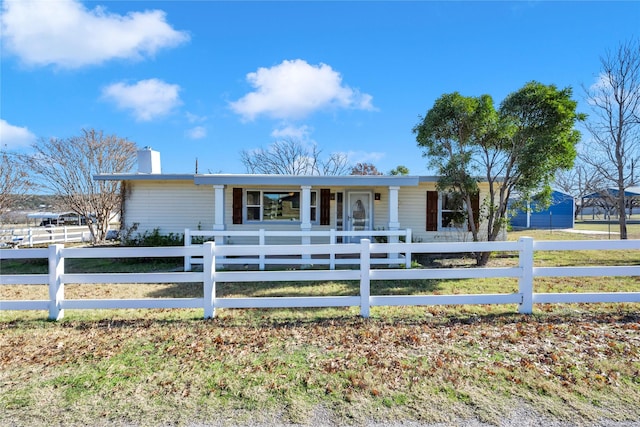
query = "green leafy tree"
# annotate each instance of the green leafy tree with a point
(517, 148)
(451, 135)
(399, 170)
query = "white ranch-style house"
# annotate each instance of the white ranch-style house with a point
(172, 203)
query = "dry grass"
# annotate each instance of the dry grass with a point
(434, 367)
(168, 367)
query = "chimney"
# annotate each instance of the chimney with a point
(148, 161)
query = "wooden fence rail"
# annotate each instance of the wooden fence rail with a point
(525, 272)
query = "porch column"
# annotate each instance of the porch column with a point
(305, 212)
(394, 222)
(218, 223)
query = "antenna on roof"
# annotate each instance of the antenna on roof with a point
(196, 165)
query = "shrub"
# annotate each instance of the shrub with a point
(154, 238)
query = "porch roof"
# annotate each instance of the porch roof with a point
(276, 180)
(142, 177)
(312, 180)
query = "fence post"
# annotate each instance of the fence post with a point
(261, 243)
(209, 269)
(365, 271)
(407, 254)
(56, 286)
(332, 253)
(187, 243)
(30, 238)
(525, 283)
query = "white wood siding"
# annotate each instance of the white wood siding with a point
(170, 206)
(412, 203)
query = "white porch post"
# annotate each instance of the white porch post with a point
(218, 223)
(305, 213)
(394, 222)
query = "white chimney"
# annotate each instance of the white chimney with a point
(148, 161)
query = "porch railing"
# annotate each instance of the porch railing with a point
(262, 256)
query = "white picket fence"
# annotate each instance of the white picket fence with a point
(44, 235)
(524, 272)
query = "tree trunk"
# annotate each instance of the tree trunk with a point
(483, 259)
(622, 214)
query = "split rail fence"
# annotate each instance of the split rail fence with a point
(524, 272)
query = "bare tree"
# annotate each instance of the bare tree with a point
(614, 149)
(365, 169)
(14, 181)
(67, 167)
(292, 157)
(579, 182)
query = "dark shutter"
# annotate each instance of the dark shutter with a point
(475, 206)
(325, 206)
(432, 211)
(237, 205)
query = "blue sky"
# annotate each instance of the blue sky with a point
(208, 79)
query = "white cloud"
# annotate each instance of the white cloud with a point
(197, 132)
(194, 118)
(601, 91)
(147, 99)
(301, 133)
(15, 136)
(295, 89)
(364, 156)
(66, 34)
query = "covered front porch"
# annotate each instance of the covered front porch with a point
(317, 207)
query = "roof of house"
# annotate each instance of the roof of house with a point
(277, 180)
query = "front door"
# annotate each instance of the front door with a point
(358, 213)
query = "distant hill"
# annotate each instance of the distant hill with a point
(30, 203)
(38, 203)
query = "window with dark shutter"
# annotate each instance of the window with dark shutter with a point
(432, 211)
(325, 206)
(237, 205)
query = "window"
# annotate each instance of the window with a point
(452, 211)
(314, 205)
(447, 211)
(277, 205)
(254, 205)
